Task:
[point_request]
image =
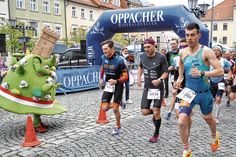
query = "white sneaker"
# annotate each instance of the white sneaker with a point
(129, 101)
(116, 131)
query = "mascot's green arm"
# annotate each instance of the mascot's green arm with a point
(39, 67)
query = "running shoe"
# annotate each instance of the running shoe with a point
(215, 143)
(44, 125)
(129, 101)
(116, 131)
(40, 129)
(123, 105)
(154, 138)
(217, 120)
(168, 116)
(187, 153)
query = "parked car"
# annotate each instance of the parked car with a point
(72, 57)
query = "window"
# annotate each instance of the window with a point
(57, 7)
(33, 5)
(116, 3)
(73, 12)
(215, 27)
(47, 25)
(105, 1)
(46, 6)
(225, 26)
(20, 4)
(215, 39)
(82, 14)
(58, 29)
(37, 30)
(74, 28)
(90, 15)
(224, 40)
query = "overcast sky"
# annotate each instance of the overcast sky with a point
(185, 2)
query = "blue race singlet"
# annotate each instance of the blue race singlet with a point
(197, 84)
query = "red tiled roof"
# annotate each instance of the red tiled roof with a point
(110, 5)
(85, 2)
(222, 11)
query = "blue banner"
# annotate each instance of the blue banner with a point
(78, 78)
(147, 19)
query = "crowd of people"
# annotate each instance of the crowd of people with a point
(199, 76)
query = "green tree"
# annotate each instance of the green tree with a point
(76, 36)
(119, 38)
(12, 43)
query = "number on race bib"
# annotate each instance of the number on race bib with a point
(153, 94)
(187, 95)
(221, 86)
(109, 88)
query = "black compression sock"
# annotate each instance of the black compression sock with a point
(157, 124)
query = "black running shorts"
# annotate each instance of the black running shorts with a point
(146, 103)
(106, 96)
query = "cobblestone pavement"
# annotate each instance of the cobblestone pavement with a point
(76, 133)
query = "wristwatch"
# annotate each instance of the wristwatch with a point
(202, 73)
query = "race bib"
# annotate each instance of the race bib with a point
(221, 86)
(226, 76)
(187, 95)
(109, 88)
(153, 94)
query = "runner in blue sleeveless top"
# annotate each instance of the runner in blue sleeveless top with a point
(195, 61)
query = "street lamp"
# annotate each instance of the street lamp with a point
(198, 9)
(23, 28)
(212, 18)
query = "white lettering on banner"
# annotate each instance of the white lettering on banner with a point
(80, 80)
(125, 19)
(114, 18)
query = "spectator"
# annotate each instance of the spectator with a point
(125, 55)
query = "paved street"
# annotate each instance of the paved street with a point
(76, 133)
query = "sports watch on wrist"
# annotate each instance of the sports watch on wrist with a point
(202, 73)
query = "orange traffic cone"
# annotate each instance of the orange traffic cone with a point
(30, 135)
(102, 118)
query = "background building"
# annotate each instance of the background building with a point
(3, 12)
(224, 22)
(47, 13)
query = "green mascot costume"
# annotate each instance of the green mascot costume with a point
(29, 86)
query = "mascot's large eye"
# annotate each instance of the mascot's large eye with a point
(5, 85)
(48, 97)
(50, 80)
(23, 84)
